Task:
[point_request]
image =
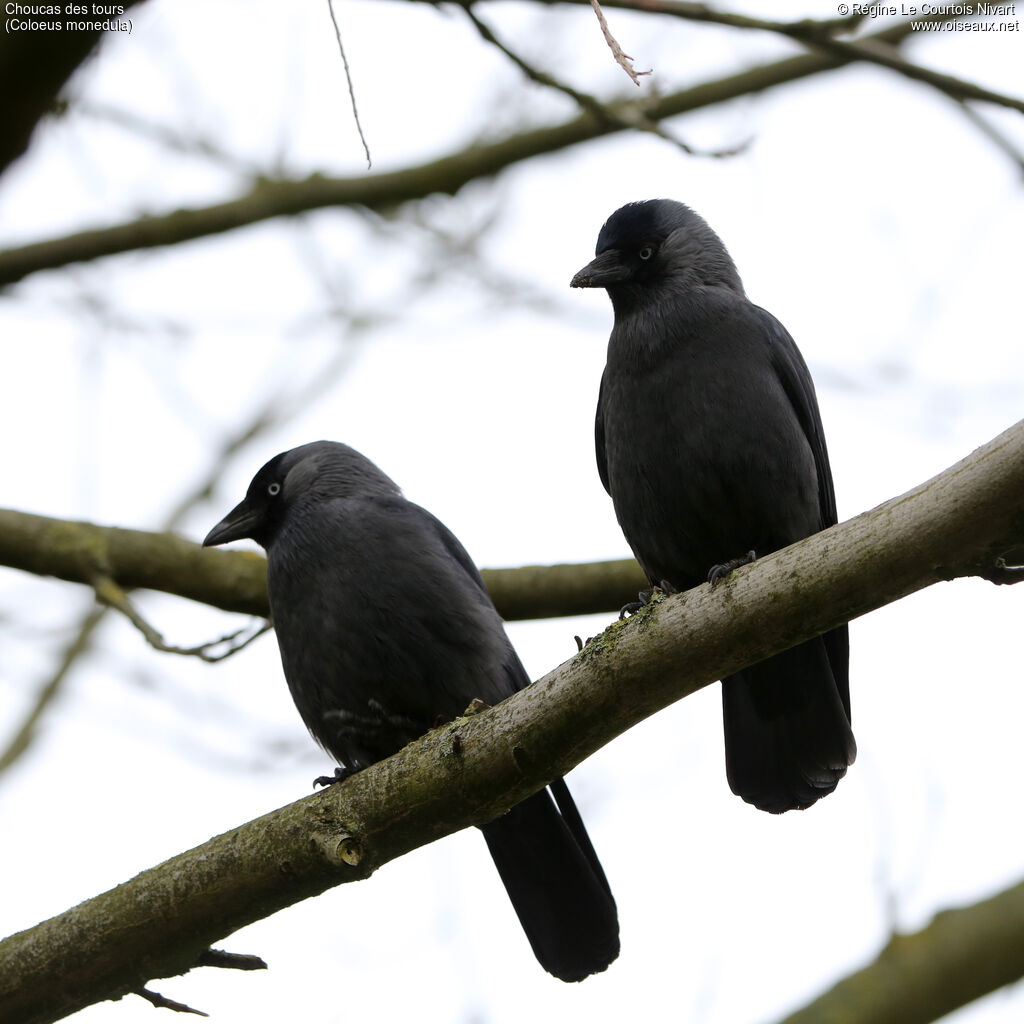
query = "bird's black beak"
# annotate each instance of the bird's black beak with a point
(236, 525)
(608, 268)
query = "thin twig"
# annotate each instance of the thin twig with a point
(631, 117)
(168, 1004)
(164, 135)
(622, 59)
(875, 52)
(108, 592)
(996, 137)
(49, 691)
(235, 961)
(351, 87)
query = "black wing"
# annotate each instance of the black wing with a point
(796, 382)
(454, 547)
(799, 388)
(512, 669)
(602, 457)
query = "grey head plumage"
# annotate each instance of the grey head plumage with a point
(657, 246)
(299, 478)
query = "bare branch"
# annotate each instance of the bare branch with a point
(874, 52)
(110, 594)
(471, 770)
(383, 191)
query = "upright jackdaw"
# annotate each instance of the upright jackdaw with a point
(384, 627)
(710, 443)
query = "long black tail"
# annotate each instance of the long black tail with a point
(556, 884)
(788, 740)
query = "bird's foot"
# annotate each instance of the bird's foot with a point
(645, 596)
(633, 607)
(340, 775)
(718, 573)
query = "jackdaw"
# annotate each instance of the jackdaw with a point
(385, 627)
(710, 443)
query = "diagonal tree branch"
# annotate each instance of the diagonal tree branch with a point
(278, 198)
(161, 922)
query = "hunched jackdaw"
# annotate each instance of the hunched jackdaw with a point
(710, 443)
(385, 627)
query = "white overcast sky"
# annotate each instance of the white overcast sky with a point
(868, 214)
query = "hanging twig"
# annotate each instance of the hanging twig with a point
(108, 592)
(622, 59)
(351, 87)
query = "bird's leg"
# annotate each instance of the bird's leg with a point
(717, 573)
(340, 775)
(373, 729)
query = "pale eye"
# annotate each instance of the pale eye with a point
(274, 489)
(646, 252)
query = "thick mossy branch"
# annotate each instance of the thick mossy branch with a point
(237, 580)
(961, 956)
(382, 192)
(81, 552)
(159, 923)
